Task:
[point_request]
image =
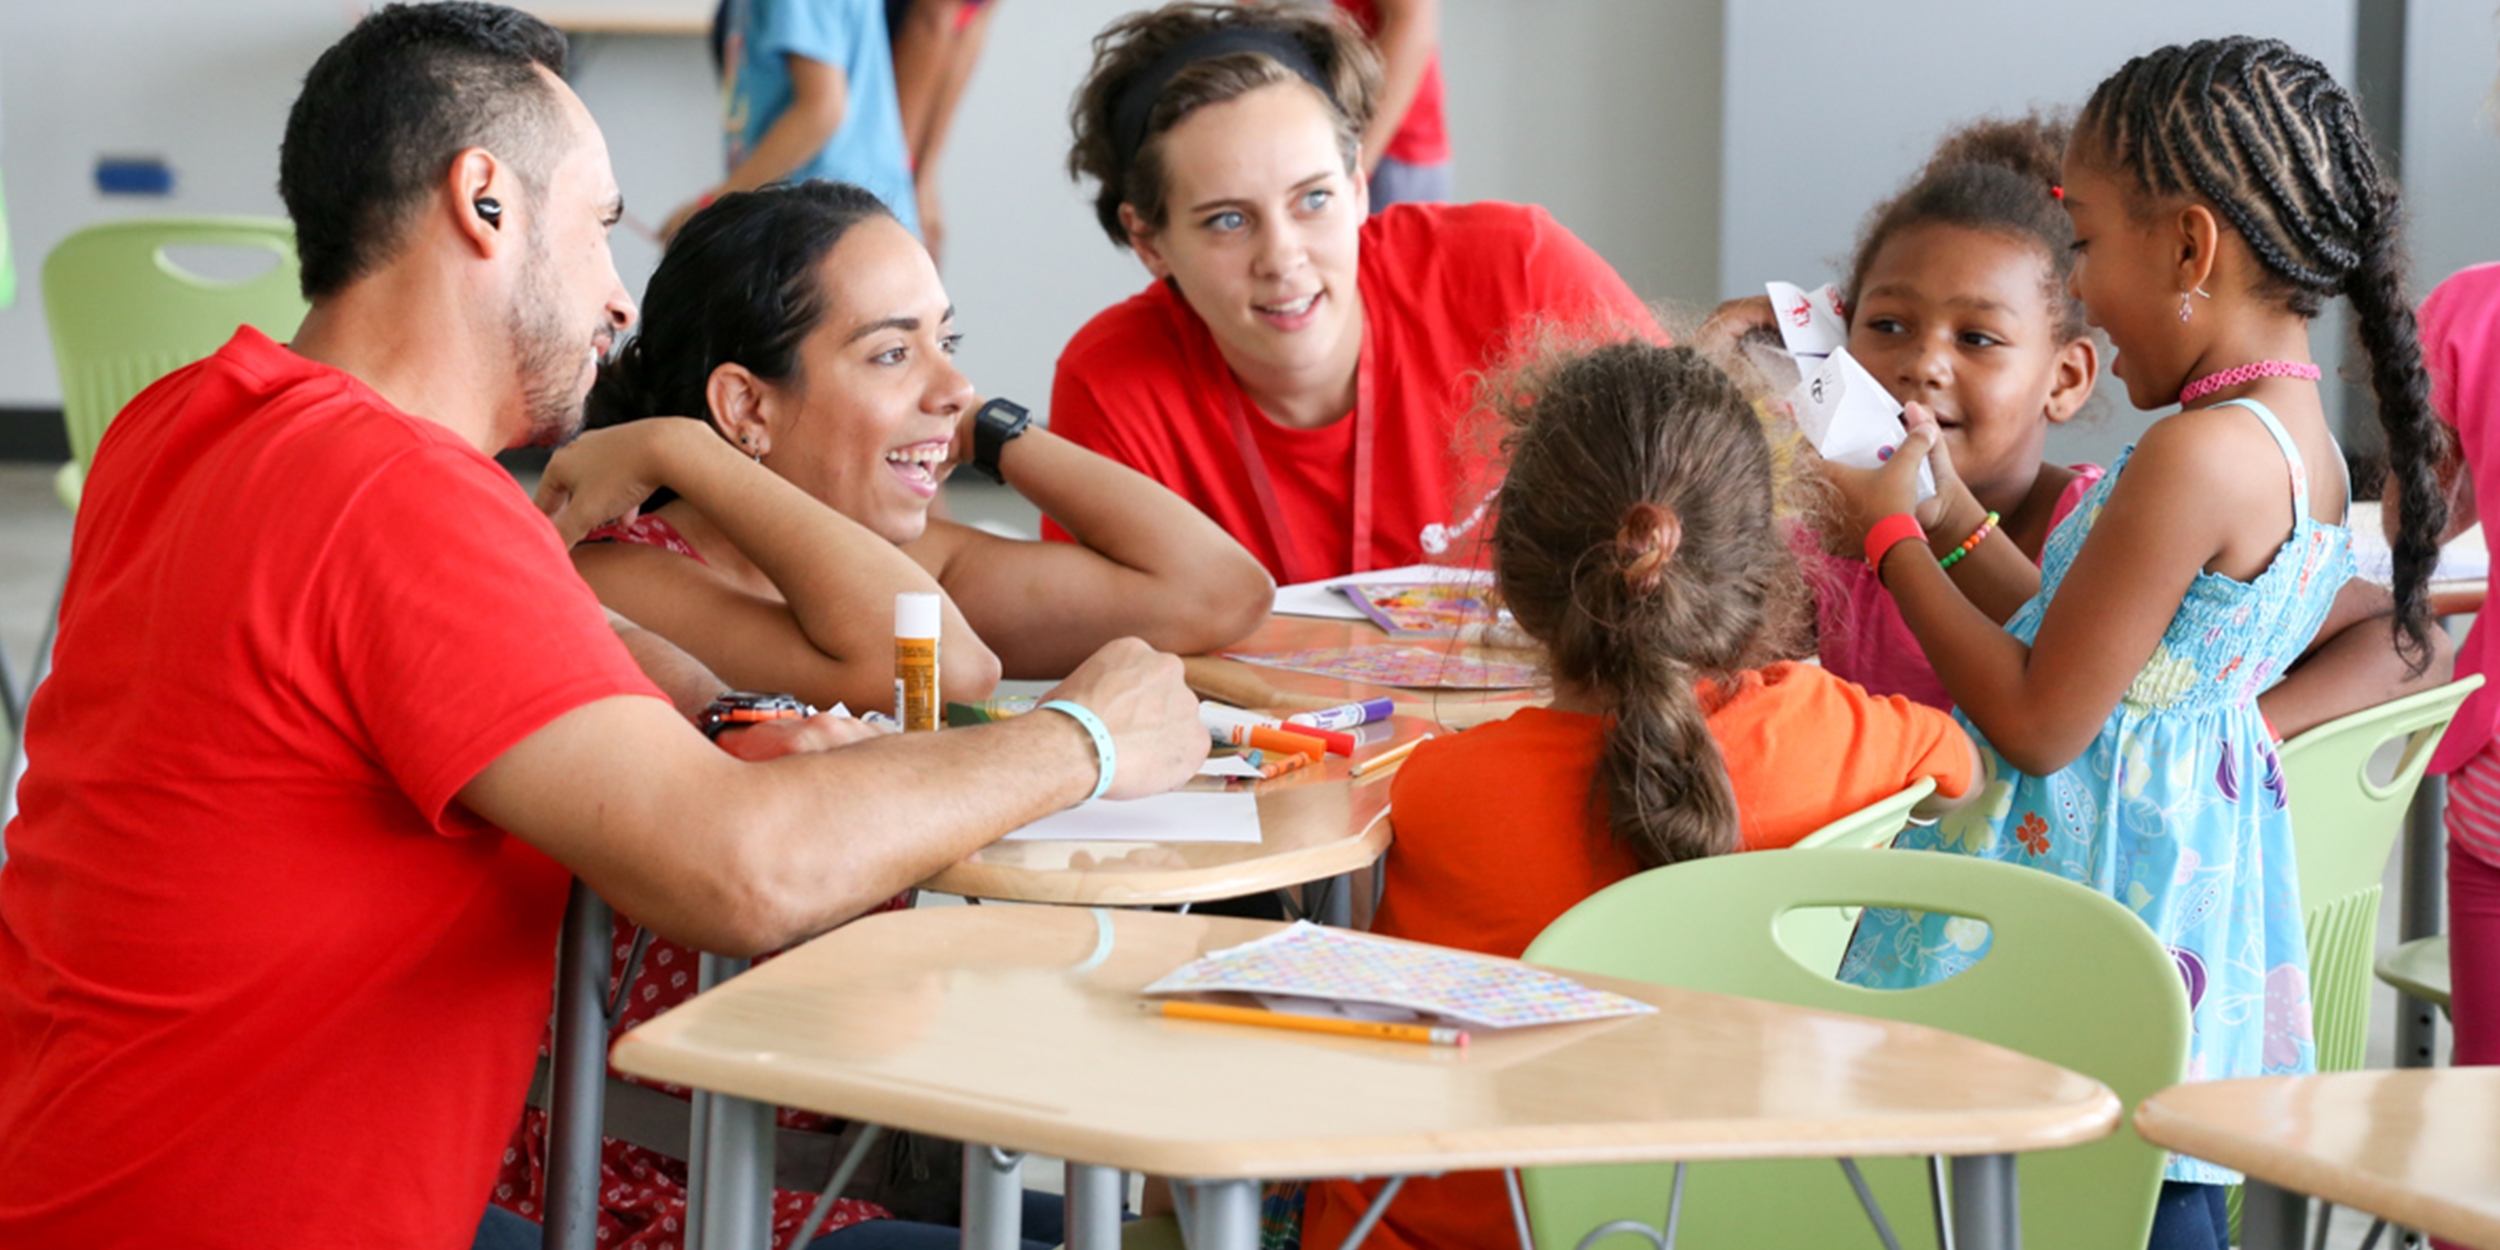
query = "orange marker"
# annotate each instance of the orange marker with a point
(1224, 722)
(1429, 1035)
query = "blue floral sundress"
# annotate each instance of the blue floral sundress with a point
(2176, 809)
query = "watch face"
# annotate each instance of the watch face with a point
(742, 707)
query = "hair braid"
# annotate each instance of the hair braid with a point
(2280, 150)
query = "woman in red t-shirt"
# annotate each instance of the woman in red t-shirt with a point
(1297, 371)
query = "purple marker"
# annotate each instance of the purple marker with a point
(1345, 716)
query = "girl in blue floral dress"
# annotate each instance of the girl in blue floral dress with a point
(2220, 193)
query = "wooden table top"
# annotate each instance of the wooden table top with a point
(1021, 1027)
(2419, 1146)
(1314, 822)
(1254, 686)
(623, 17)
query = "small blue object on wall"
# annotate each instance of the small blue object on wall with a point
(133, 175)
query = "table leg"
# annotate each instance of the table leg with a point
(2426, 835)
(1224, 1216)
(578, 1101)
(1986, 1208)
(729, 1182)
(1330, 901)
(1095, 1197)
(994, 1200)
(2271, 1218)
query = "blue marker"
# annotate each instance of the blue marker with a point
(1345, 716)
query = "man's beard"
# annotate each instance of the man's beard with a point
(550, 356)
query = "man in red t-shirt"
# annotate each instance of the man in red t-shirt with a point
(272, 972)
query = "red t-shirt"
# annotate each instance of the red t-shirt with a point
(1447, 291)
(1497, 835)
(1423, 137)
(263, 981)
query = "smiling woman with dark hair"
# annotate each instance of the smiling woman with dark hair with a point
(1296, 371)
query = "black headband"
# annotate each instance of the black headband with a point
(1136, 104)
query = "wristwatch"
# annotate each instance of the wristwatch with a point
(998, 423)
(737, 709)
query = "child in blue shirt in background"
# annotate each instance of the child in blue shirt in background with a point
(807, 91)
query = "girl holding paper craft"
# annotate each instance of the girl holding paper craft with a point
(1959, 304)
(2220, 192)
(813, 335)
(1635, 539)
(1297, 370)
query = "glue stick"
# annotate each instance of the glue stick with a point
(916, 704)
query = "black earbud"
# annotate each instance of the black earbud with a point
(489, 210)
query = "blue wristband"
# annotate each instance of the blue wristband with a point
(1106, 756)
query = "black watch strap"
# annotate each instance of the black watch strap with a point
(737, 709)
(998, 423)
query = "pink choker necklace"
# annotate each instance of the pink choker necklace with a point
(2229, 378)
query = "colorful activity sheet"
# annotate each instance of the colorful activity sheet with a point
(1308, 961)
(1414, 668)
(1422, 609)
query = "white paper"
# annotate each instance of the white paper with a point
(1180, 816)
(1810, 322)
(1851, 419)
(1327, 598)
(1228, 766)
(2464, 559)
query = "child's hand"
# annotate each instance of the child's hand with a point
(1917, 417)
(1730, 322)
(1869, 495)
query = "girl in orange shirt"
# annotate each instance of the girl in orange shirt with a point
(1635, 537)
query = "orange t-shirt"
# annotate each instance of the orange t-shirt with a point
(1498, 834)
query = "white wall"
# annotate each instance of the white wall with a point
(1604, 110)
(2452, 146)
(1832, 103)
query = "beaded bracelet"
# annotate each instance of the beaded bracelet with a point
(1969, 544)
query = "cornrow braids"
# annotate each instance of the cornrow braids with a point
(2281, 151)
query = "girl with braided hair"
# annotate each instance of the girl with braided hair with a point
(1637, 536)
(2220, 193)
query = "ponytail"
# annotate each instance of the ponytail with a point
(1634, 536)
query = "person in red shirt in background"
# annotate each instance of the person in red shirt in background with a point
(1406, 149)
(332, 721)
(1298, 372)
(1637, 538)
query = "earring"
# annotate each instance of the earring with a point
(2183, 301)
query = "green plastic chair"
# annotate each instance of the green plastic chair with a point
(123, 313)
(2344, 826)
(1818, 936)
(2071, 977)
(2419, 968)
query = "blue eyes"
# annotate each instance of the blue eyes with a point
(1315, 200)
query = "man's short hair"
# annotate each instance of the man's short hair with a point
(387, 108)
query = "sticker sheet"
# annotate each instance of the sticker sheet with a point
(1422, 609)
(1414, 668)
(1308, 961)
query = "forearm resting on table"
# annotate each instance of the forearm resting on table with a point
(741, 858)
(2353, 665)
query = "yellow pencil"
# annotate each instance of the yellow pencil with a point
(1424, 1033)
(1396, 755)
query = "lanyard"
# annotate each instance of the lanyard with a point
(1263, 483)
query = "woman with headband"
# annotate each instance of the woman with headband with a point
(1296, 371)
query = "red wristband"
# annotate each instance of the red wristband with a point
(1892, 531)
